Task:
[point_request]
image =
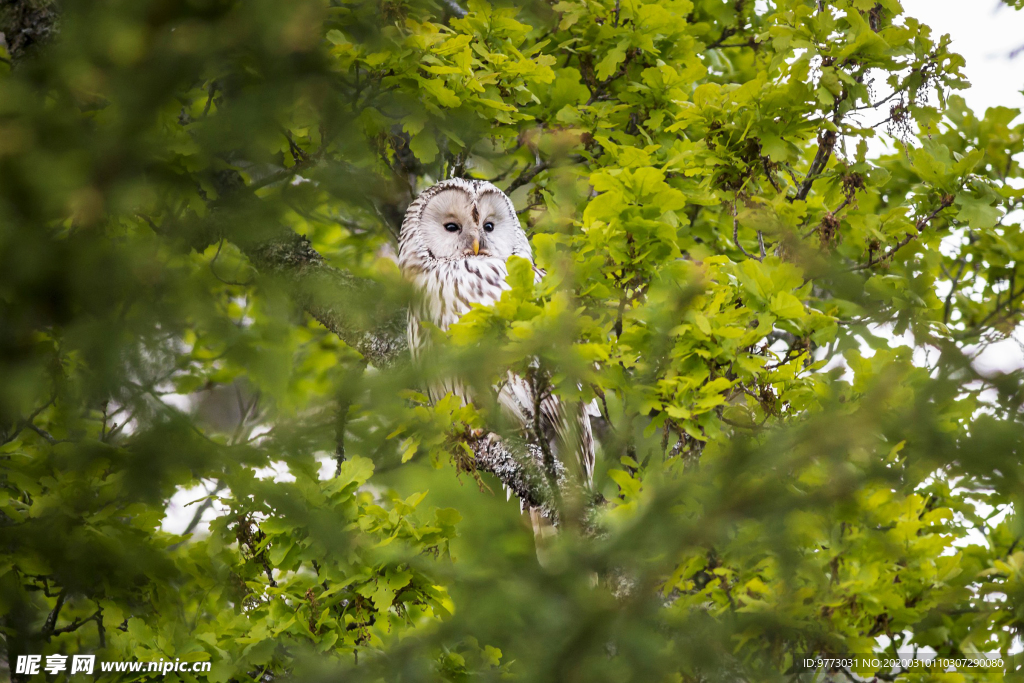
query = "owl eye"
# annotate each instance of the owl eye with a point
(489, 226)
(451, 227)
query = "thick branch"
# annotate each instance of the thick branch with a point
(27, 24)
(521, 470)
(327, 294)
(826, 142)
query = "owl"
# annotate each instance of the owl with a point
(455, 241)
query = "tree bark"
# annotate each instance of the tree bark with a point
(26, 23)
(326, 293)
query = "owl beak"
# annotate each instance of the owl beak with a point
(472, 239)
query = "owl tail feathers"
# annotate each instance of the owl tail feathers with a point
(544, 533)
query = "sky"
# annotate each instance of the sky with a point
(985, 33)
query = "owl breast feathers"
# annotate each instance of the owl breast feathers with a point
(456, 239)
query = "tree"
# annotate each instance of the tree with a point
(197, 205)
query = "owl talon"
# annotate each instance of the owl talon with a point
(489, 439)
(492, 440)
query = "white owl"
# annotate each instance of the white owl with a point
(455, 241)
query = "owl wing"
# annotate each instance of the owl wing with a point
(448, 295)
(573, 434)
(565, 427)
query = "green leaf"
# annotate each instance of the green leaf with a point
(424, 146)
(520, 274)
(355, 469)
(568, 88)
(787, 306)
(611, 61)
(977, 212)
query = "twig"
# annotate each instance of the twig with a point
(726, 34)
(952, 291)
(27, 421)
(826, 142)
(198, 516)
(527, 175)
(846, 202)
(209, 100)
(51, 619)
(768, 174)
(284, 174)
(76, 624)
(920, 225)
(736, 236)
(297, 152)
(45, 435)
(792, 175)
(213, 269)
(455, 8)
(1009, 303)
(875, 105)
(601, 87)
(504, 174)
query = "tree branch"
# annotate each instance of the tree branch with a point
(954, 283)
(520, 468)
(826, 142)
(736, 237)
(919, 226)
(327, 293)
(28, 25)
(526, 176)
(51, 619)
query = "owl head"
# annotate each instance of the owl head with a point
(461, 219)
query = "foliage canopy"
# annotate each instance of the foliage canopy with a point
(197, 205)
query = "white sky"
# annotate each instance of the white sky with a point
(985, 32)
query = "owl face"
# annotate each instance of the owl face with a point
(462, 219)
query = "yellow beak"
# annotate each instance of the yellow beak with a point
(476, 245)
